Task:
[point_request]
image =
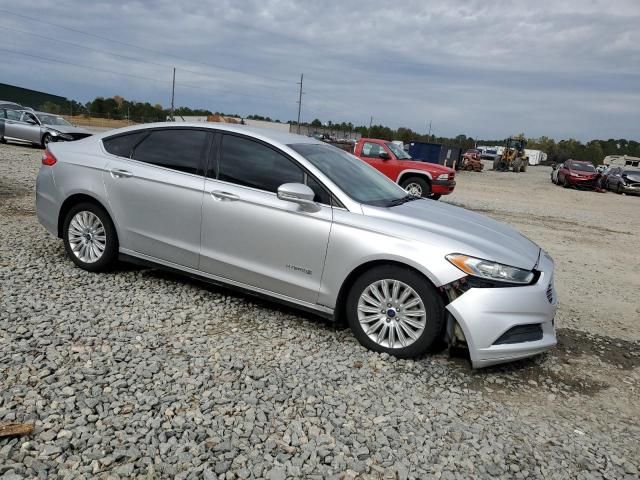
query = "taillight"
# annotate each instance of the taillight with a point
(48, 159)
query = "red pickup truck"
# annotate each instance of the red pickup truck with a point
(418, 178)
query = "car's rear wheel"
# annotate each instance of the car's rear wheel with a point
(619, 189)
(395, 310)
(89, 237)
(417, 186)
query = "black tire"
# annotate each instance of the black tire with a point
(496, 162)
(565, 183)
(110, 253)
(433, 306)
(46, 139)
(3, 140)
(421, 183)
(435, 196)
(619, 189)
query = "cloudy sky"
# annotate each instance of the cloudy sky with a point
(485, 69)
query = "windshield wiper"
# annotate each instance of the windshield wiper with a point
(400, 201)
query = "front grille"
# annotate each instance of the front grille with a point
(521, 333)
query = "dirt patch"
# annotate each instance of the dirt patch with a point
(620, 353)
(9, 189)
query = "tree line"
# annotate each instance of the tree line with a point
(557, 151)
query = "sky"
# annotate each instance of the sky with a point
(568, 69)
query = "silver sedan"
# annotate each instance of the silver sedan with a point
(301, 222)
(37, 128)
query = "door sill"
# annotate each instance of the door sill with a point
(131, 256)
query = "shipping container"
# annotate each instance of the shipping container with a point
(435, 153)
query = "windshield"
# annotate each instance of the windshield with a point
(398, 152)
(53, 120)
(583, 167)
(362, 183)
(634, 173)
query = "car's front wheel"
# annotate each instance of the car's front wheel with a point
(395, 310)
(417, 186)
(46, 140)
(89, 237)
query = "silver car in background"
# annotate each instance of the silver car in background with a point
(38, 128)
(302, 222)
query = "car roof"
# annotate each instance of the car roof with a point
(284, 138)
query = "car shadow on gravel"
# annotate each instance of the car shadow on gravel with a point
(260, 302)
(553, 371)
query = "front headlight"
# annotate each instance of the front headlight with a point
(443, 176)
(493, 271)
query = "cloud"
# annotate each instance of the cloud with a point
(485, 69)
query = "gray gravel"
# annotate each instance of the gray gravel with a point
(144, 374)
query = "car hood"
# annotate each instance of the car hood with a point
(465, 231)
(67, 129)
(633, 177)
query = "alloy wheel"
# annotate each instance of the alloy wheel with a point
(414, 189)
(87, 237)
(391, 313)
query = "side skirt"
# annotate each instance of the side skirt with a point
(136, 258)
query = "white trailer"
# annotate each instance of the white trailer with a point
(536, 157)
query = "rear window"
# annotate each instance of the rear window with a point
(122, 145)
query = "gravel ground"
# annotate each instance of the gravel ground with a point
(144, 374)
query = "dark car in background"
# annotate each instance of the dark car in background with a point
(576, 173)
(623, 180)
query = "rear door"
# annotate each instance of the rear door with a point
(252, 237)
(154, 181)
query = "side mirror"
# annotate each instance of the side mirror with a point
(384, 155)
(297, 193)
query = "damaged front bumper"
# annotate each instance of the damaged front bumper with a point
(504, 324)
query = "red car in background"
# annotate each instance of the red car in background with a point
(576, 173)
(422, 179)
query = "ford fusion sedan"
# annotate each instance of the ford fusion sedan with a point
(305, 223)
(38, 128)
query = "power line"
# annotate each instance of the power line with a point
(126, 57)
(141, 77)
(157, 52)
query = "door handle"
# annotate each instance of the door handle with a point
(219, 195)
(118, 173)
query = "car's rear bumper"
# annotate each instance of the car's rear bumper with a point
(493, 319)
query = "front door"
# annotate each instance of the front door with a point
(250, 236)
(156, 195)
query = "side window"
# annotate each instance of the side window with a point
(29, 118)
(371, 150)
(322, 196)
(177, 149)
(252, 164)
(12, 115)
(123, 144)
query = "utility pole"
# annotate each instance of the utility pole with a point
(370, 123)
(173, 91)
(300, 101)
(429, 129)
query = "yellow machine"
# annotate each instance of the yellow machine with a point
(513, 156)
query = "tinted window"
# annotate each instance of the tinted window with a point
(123, 144)
(252, 164)
(13, 115)
(179, 149)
